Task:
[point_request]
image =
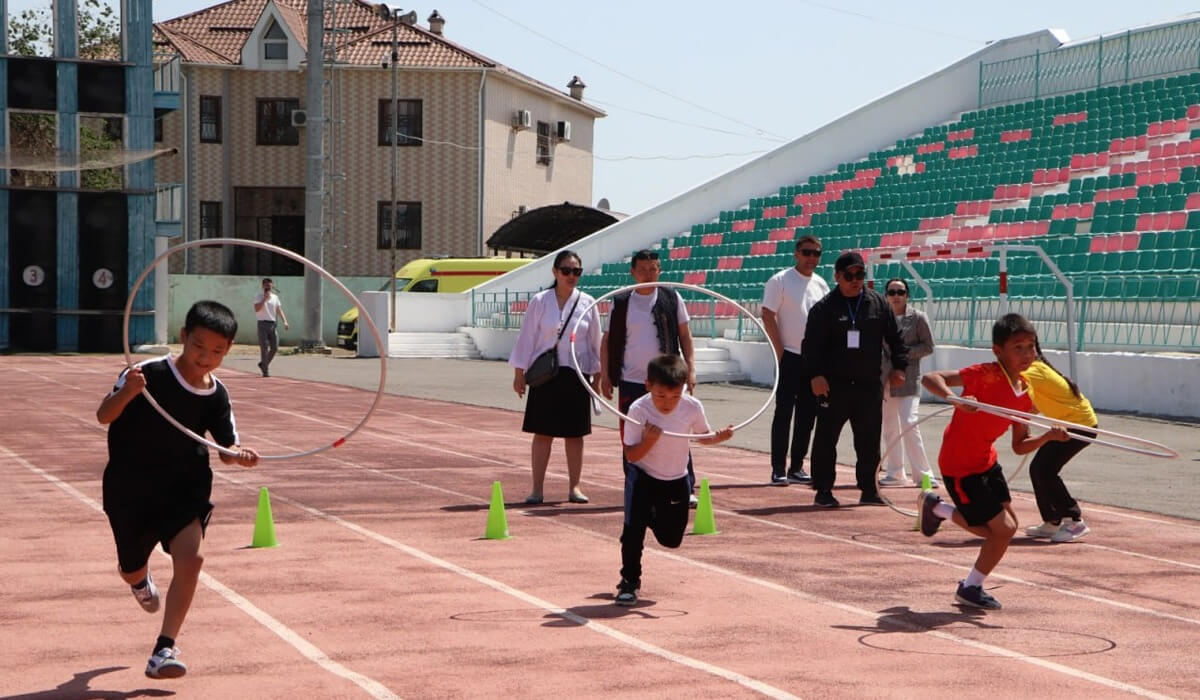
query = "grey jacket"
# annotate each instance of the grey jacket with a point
(917, 336)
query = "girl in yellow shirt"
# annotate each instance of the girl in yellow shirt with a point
(1056, 396)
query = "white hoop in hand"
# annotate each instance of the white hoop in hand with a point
(1148, 447)
(363, 316)
(673, 285)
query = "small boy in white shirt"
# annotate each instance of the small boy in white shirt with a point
(656, 487)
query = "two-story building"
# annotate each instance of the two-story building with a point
(476, 141)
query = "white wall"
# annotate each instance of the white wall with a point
(442, 313)
(493, 343)
(928, 101)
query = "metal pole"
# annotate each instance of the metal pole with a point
(394, 136)
(314, 193)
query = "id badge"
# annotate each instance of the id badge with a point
(852, 338)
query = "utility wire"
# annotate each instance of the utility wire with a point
(873, 18)
(507, 152)
(610, 105)
(627, 76)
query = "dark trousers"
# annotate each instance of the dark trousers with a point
(861, 403)
(627, 393)
(1054, 501)
(268, 343)
(661, 506)
(794, 398)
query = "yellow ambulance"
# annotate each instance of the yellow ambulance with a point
(433, 275)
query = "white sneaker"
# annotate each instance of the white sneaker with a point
(147, 597)
(890, 480)
(165, 663)
(1043, 531)
(1070, 531)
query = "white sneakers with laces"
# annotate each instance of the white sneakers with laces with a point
(1043, 531)
(147, 596)
(165, 663)
(1070, 531)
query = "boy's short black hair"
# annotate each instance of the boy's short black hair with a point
(643, 254)
(667, 370)
(1010, 325)
(214, 316)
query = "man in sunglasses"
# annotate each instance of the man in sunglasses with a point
(644, 324)
(787, 299)
(843, 351)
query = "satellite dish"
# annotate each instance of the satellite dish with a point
(603, 204)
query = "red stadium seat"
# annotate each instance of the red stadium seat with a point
(695, 277)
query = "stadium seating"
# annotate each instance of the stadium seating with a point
(1106, 182)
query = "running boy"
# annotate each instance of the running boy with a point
(967, 459)
(1056, 396)
(157, 482)
(656, 484)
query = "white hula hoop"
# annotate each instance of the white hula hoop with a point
(1150, 448)
(673, 285)
(888, 450)
(363, 315)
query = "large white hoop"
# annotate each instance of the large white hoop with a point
(674, 285)
(888, 450)
(363, 316)
(1150, 449)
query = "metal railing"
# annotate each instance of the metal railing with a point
(168, 202)
(1131, 56)
(167, 76)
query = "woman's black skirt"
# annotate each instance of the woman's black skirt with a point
(561, 407)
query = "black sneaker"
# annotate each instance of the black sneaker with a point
(976, 597)
(778, 479)
(825, 499)
(798, 477)
(871, 499)
(928, 522)
(627, 593)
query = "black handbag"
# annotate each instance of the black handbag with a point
(545, 366)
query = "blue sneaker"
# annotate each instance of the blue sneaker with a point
(147, 596)
(165, 663)
(976, 597)
(928, 522)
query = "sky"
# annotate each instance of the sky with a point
(694, 89)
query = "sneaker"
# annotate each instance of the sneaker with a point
(871, 499)
(693, 501)
(778, 479)
(825, 499)
(890, 480)
(147, 597)
(1043, 531)
(576, 496)
(1070, 531)
(165, 663)
(976, 597)
(928, 522)
(798, 476)
(627, 593)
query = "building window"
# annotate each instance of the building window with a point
(210, 119)
(275, 43)
(408, 126)
(275, 123)
(543, 143)
(408, 223)
(210, 219)
(158, 134)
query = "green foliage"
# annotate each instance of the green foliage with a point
(31, 32)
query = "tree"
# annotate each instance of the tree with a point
(33, 135)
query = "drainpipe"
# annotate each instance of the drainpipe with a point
(482, 151)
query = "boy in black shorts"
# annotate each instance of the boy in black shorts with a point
(157, 482)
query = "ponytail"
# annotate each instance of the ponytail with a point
(1073, 386)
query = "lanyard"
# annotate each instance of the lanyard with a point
(854, 312)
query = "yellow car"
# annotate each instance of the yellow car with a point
(432, 275)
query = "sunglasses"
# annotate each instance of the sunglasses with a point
(855, 276)
(576, 271)
(896, 292)
(809, 253)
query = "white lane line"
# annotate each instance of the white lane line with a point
(372, 687)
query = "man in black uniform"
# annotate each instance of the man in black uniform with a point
(843, 349)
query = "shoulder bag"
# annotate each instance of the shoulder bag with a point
(545, 366)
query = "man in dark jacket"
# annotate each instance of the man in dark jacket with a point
(843, 349)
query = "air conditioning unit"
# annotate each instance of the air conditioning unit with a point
(299, 117)
(522, 119)
(563, 131)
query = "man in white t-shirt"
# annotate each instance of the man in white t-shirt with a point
(267, 308)
(787, 298)
(644, 324)
(656, 483)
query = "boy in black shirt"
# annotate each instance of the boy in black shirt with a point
(157, 482)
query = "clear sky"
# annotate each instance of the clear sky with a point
(694, 89)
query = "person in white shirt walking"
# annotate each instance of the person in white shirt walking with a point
(787, 298)
(267, 308)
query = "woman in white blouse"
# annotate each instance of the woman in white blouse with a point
(561, 407)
